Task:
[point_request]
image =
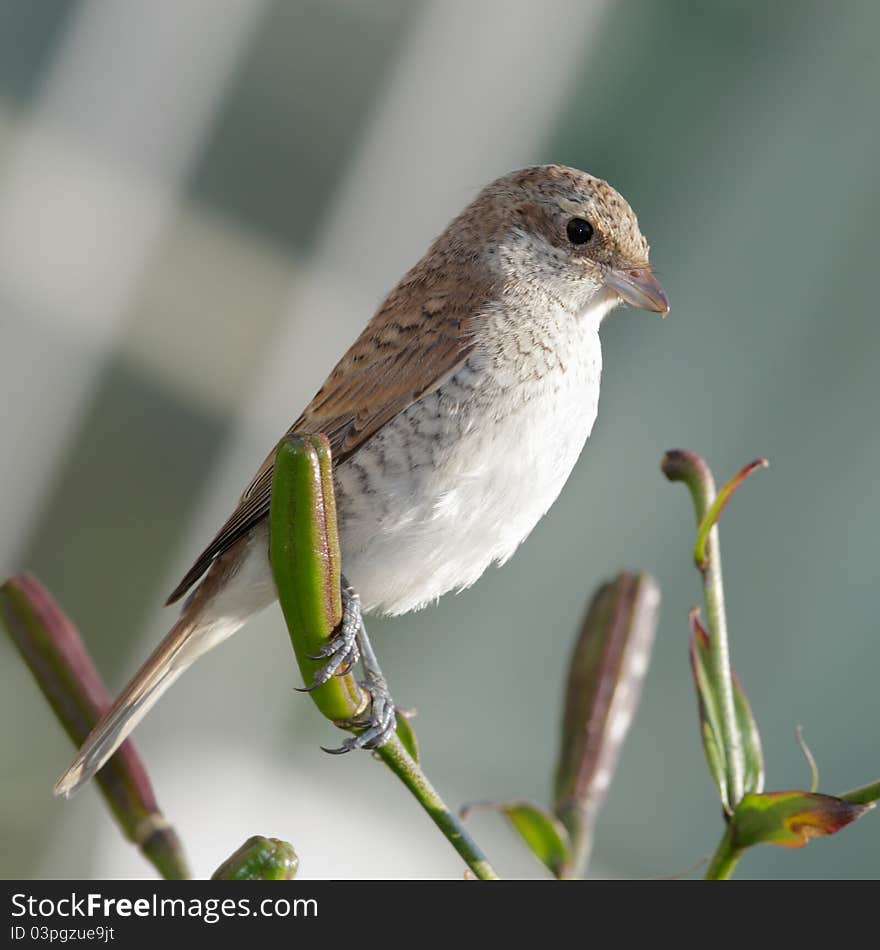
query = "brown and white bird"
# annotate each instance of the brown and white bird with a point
(454, 420)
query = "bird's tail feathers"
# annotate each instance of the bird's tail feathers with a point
(192, 635)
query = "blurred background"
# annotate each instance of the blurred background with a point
(201, 204)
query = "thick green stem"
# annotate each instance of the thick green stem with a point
(306, 565)
(725, 859)
(401, 763)
(687, 467)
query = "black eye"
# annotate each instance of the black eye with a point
(579, 231)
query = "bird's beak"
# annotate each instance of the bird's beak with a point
(638, 287)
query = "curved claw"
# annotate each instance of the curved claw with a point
(307, 689)
(346, 746)
(372, 738)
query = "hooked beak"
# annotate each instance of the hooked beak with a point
(639, 288)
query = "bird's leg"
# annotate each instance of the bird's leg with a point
(350, 645)
(379, 717)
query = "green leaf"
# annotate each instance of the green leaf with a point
(753, 778)
(790, 819)
(543, 832)
(714, 512)
(710, 712)
(259, 859)
(710, 718)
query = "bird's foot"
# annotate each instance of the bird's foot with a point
(378, 720)
(343, 651)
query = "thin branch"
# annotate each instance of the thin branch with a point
(53, 649)
(401, 763)
(725, 858)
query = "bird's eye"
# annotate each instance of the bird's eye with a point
(579, 231)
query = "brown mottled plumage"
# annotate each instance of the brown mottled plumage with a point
(392, 363)
(425, 328)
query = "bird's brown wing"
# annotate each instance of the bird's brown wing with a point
(421, 336)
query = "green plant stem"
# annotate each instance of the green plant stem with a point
(689, 468)
(579, 821)
(864, 794)
(401, 763)
(304, 553)
(725, 859)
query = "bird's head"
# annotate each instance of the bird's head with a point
(569, 233)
